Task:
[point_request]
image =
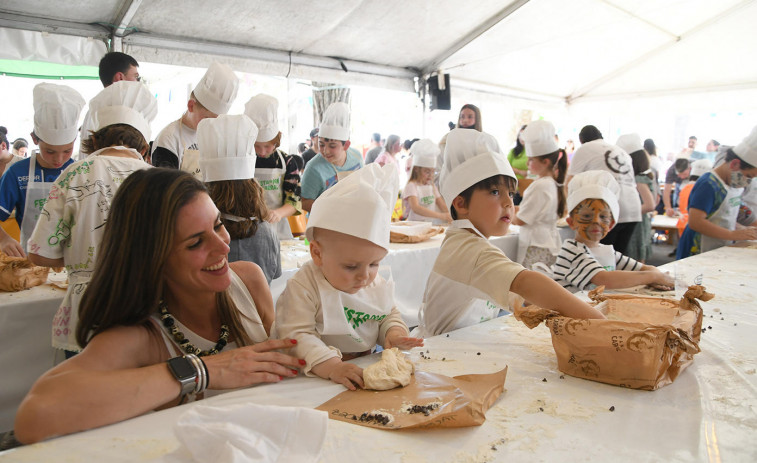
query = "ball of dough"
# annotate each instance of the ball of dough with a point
(393, 370)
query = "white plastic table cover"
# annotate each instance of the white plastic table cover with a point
(706, 415)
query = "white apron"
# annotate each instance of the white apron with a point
(36, 196)
(725, 216)
(426, 199)
(605, 255)
(190, 162)
(351, 321)
(272, 182)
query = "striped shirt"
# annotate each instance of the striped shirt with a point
(576, 266)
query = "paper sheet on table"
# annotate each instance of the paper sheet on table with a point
(250, 433)
(429, 401)
(644, 343)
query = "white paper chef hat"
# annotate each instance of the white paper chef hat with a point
(469, 157)
(227, 147)
(335, 124)
(539, 138)
(263, 110)
(124, 102)
(56, 113)
(360, 205)
(747, 149)
(425, 153)
(630, 142)
(700, 167)
(217, 89)
(594, 184)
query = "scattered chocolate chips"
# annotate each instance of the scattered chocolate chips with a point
(377, 418)
(447, 335)
(544, 380)
(612, 409)
(478, 353)
(444, 358)
(541, 409)
(562, 376)
(425, 409)
(709, 327)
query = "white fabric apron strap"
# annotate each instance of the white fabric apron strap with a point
(605, 255)
(190, 162)
(36, 196)
(272, 182)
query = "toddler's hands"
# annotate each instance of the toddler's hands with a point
(403, 342)
(747, 233)
(348, 375)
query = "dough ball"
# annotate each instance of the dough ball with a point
(393, 370)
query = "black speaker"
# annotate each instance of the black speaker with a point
(440, 99)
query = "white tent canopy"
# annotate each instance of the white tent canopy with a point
(549, 50)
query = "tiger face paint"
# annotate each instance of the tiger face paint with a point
(592, 219)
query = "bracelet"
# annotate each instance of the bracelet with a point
(201, 381)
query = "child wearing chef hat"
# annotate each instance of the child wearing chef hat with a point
(471, 279)
(338, 306)
(716, 200)
(277, 172)
(227, 162)
(72, 222)
(421, 199)
(26, 184)
(543, 201)
(584, 261)
(335, 160)
(176, 145)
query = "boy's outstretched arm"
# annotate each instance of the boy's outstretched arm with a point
(543, 291)
(648, 275)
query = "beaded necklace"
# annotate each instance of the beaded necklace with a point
(170, 324)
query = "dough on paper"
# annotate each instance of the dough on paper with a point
(393, 370)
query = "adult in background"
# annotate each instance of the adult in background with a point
(7, 158)
(313, 149)
(655, 163)
(640, 246)
(164, 236)
(20, 147)
(375, 149)
(392, 147)
(596, 154)
(519, 162)
(676, 174)
(468, 118)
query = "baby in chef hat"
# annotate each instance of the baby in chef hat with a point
(176, 145)
(339, 305)
(471, 279)
(584, 262)
(25, 185)
(421, 199)
(71, 225)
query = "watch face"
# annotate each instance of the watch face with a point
(182, 368)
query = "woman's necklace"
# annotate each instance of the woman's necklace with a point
(170, 324)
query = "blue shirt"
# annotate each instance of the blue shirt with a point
(13, 186)
(320, 174)
(707, 195)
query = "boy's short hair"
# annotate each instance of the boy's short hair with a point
(495, 180)
(113, 63)
(730, 155)
(326, 140)
(681, 165)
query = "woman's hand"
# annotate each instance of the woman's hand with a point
(250, 365)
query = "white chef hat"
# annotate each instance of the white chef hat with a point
(425, 152)
(594, 184)
(263, 110)
(124, 102)
(539, 138)
(335, 124)
(227, 147)
(360, 205)
(217, 89)
(469, 157)
(56, 113)
(700, 167)
(747, 149)
(630, 143)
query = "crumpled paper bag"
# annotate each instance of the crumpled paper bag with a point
(17, 273)
(396, 237)
(429, 401)
(246, 433)
(645, 343)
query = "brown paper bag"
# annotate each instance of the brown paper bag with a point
(645, 342)
(429, 401)
(395, 237)
(17, 273)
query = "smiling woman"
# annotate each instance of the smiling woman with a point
(163, 236)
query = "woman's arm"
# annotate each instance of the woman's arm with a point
(281, 213)
(254, 279)
(647, 200)
(36, 259)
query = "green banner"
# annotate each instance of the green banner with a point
(42, 70)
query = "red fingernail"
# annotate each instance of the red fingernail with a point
(302, 362)
(281, 378)
(294, 371)
(293, 341)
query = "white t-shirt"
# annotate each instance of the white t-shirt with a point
(71, 226)
(600, 155)
(174, 138)
(539, 210)
(424, 199)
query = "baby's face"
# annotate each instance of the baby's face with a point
(591, 219)
(348, 263)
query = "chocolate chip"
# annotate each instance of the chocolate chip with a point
(541, 409)
(562, 376)
(478, 353)
(709, 327)
(544, 380)
(612, 409)
(447, 335)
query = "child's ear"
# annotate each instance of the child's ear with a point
(570, 222)
(612, 224)
(316, 253)
(460, 206)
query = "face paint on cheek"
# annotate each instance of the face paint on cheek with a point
(593, 213)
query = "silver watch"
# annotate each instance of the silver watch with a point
(184, 372)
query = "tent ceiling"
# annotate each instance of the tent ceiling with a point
(553, 49)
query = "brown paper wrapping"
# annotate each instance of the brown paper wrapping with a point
(395, 237)
(441, 402)
(17, 273)
(645, 343)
